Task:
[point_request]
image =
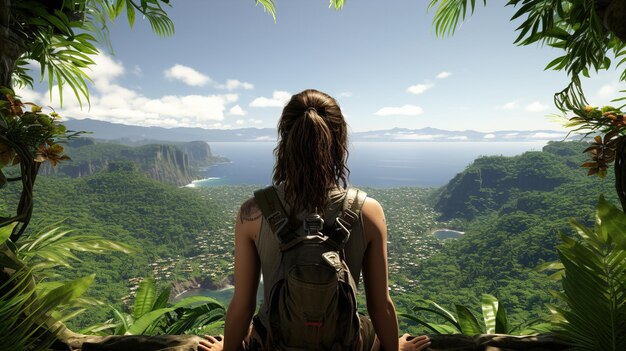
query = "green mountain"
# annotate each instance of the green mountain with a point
(176, 164)
(511, 210)
(491, 182)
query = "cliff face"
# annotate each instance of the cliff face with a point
(488, 183)
(200, 283)
(172, 164)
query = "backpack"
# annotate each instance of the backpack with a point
(312, 302)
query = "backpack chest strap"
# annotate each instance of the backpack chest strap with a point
(274, 212)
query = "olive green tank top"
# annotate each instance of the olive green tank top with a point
(267, 245)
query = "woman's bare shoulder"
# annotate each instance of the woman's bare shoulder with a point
(249, 211)
(372, 209)
(374, 225)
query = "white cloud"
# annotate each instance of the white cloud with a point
(240, 122)
(105, 69)
(607, 92)
(115, 103)
(419, 88)
(548, 136)
(278, 99)
(406, 110)
(187, 75)
(28, 95)
(237, 111)
(137, 71)
(458, 137)
(444, 75)
(346, 94)
(232, 84)
(413, 136)
(511, 105)
(536, 106)
(489, 136)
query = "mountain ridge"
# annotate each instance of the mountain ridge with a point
(137, 135)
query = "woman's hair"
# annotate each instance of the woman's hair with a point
(312, 150)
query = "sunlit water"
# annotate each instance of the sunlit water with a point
(375, 164)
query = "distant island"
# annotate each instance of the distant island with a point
(128, 134)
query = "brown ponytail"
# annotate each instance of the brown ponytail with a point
(312, 150)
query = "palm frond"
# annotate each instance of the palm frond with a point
(337, 4)
(64, 45)
(594, 283)
(268, 6)
(52, 247)
(450, 13)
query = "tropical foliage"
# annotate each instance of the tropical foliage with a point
(152, 316)
(61, 36)
(609, 143)
(269, 6)
(594, 284)
(590, 34)
(33, 302)
(494, 320)
(28, 137)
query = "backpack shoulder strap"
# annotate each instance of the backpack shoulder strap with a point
(272, 208)
(350, 213)
(352, 204)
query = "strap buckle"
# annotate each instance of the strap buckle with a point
(313, 224)
(277, 221)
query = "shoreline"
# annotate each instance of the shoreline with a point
(228, 287)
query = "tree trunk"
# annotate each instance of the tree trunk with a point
(11, 46)
(613, 15)
(620, 171)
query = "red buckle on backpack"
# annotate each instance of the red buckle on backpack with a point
(313, 324)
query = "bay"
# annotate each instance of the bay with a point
(372, 164)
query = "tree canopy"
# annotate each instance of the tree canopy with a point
(61, 37)
(589, 32)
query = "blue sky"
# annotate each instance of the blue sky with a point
(230, 66)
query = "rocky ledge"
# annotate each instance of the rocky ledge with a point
(485, 342)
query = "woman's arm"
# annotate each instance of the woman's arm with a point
(379, 304)
(247, 271)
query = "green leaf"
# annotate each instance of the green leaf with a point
(467, 321)
(490, 308)
(119, 7)
(124, 321)
(269, 7)
(439, 311)
(130, 13)
(65, 293)
(163, 298)
(6, 231)
(146, 321)
(502, 321)
(612, 222)
(144, 298)
(420, 321)
(197, 300)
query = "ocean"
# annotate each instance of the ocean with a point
(372, 164)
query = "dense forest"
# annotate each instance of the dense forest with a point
(510, 208)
